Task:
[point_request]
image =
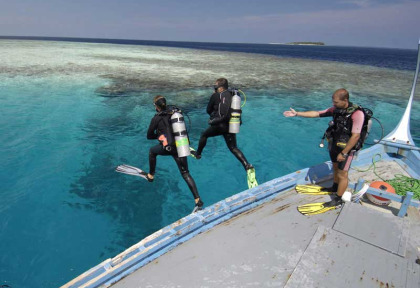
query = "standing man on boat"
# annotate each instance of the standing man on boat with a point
(346, 136)
(219, 108)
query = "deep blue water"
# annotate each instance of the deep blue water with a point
(63, 207)
(402, 59)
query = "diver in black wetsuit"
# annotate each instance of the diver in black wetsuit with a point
(160, 129)
(218, 108)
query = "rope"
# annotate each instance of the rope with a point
(402, 184)
(372, 165)
(382, 132)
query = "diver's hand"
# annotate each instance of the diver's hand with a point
(340, 157)
(214, 121)
(291, 113)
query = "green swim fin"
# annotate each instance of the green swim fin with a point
(312, 190)
(318, 208)
(194, 153)
(252, 181)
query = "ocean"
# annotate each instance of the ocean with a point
(73, 110)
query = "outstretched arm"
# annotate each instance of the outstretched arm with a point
(306, 114)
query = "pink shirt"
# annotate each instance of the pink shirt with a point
(358, 118)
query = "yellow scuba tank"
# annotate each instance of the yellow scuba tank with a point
(235, 113)
(180, 132)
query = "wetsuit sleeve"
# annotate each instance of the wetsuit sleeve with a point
(327, 112)
(358, 119)
(210, 105)
(151, 132)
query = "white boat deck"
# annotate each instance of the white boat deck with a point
(273, 245)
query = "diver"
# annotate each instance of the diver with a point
(219, 109)
(162, 128)
(345, 136)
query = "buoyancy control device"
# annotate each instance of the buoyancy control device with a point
(340, 127)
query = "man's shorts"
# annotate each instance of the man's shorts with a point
(343, 165)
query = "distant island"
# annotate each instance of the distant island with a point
(302, 43)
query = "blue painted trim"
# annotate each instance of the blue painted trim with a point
(405, 204)
(392, 196)
(399, 145)
(413, 161)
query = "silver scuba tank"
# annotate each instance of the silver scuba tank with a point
(180, 133)
(369, 126)
(235, 114)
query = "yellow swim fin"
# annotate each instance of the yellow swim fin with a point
(312, 190)
(194, 153)
(252, 181)
(318, 208)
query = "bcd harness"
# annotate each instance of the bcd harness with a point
(339, 131)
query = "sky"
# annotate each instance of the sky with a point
(367, 23)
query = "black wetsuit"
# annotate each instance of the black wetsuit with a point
(158, 127)
(218, 109)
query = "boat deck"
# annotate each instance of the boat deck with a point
(273, 245)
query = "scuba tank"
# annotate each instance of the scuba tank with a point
(235, 113)
(369, 115)
(180, 133)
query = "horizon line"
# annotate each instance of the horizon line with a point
(58, 38)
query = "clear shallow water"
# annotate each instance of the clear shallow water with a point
(71, 112)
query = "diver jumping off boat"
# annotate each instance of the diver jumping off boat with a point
(224, 110)
(346, 136)
(168, 127)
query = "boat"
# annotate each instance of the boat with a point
(258, 238)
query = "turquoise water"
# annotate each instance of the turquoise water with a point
(72, 112)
